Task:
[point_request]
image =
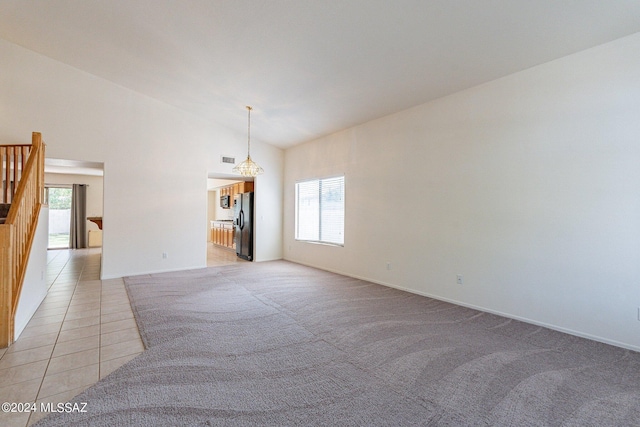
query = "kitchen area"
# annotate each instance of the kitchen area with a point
(230, 221)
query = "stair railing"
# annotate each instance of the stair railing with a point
(13, 159)
(16, 234)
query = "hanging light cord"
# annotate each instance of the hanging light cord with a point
(249, 131)
(248, 167)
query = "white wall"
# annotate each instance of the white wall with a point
(34, 287)
(156, 159)
(528, 186)
(213, 201)
(268, 213)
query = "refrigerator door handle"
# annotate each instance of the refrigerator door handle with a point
(241, 220)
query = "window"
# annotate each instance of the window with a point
(59, 200)
(320, 210)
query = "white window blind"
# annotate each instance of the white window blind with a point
(320, 210)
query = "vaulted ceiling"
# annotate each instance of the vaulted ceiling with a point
(308, 67)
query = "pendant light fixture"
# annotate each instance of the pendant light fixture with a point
(248, 167)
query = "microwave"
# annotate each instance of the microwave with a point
(225, 201)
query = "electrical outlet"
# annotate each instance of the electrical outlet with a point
(459, 279)
(164, 255)
(388, 266)
(638, 313)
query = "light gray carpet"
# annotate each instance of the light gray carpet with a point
(279, 344)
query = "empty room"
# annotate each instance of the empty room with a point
(320, 212)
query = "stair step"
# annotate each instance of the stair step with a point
(4, 211)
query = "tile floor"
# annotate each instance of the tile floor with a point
(83, 330)
(217, 255)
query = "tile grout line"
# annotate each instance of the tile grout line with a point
(61, 270)
(59, 331)
(75, 268)
(83, 264)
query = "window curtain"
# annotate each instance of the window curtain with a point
(78, 230)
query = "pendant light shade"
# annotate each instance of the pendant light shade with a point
(248, 167)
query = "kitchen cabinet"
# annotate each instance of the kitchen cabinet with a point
(238, 188)
(222, 233)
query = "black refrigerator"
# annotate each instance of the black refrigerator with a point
(243, 222)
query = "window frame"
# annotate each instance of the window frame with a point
(297, 210)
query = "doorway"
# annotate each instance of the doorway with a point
(59, 200)
(221, 231)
